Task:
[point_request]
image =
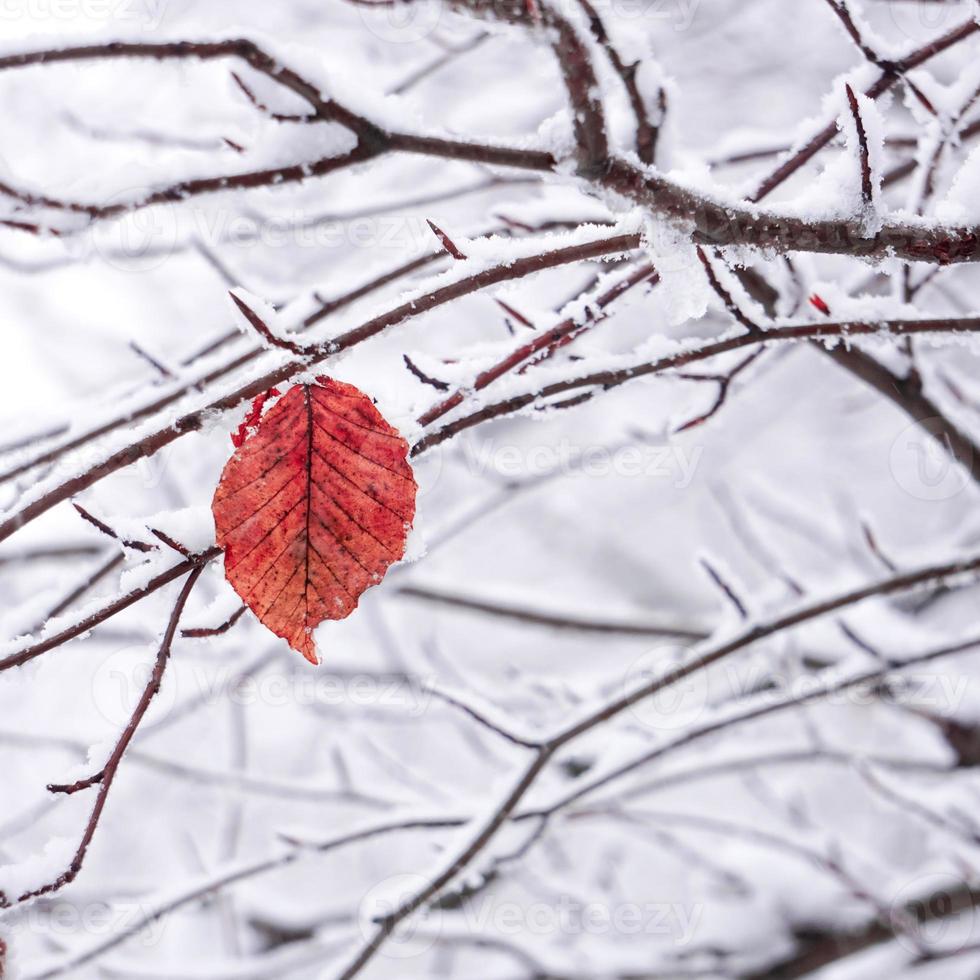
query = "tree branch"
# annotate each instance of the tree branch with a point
(117, 605)
(105, 777)
(611, 378)
(484, 831)
(192, 421)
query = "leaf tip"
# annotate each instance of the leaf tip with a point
(308, 648)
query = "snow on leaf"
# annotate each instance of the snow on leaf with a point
(313, 507)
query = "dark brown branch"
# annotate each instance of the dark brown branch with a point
(908, 395)
(884, 83)
(192, 421)
(729, 593)
(481, 719)
(431, 889)
(726, 297)
(714, 223)
(516, 314)
(872, 542)
(171, 543)
(826, 947)
(537, 617)
(108, 531)
(264, 330)
(844, 15)
(104, 778)
(614, 377)
(487, 828)
(447, 243)
(193, 187)
(724, 382)
(262, 107)
(542, 344)
(108, 610)
(76, 787)
(373, 141)
(717, 224)
(867, 192)
(243, 48)
(154, 362)
(839, 7)
(422, 376)
(647, 129)
(582, 86)
(327, 307)
(202, 631)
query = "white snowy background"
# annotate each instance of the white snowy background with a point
(719, 858)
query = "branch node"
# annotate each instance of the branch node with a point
(78, 785)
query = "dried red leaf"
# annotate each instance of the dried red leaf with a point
(313, 508)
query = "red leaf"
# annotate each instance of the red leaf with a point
(313, 508)
(251, 420)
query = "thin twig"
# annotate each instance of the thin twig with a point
(110, 609)
(613, 377)
(539, 617)
(192, 421)
(447, 243)
(264, 330)
(202, 631)
(867, 192)
(105, 777)
(726, 297)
